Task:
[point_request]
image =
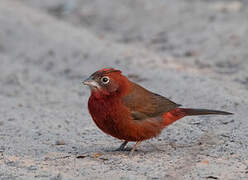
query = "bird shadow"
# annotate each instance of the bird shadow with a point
(200, 146)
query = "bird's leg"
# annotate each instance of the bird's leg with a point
(122, 146)
(134, 147)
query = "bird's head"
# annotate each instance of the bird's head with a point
(107, 81)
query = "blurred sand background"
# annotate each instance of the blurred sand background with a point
(193, 51)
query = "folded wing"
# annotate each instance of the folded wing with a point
(145, 104)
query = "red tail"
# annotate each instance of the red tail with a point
(178, 113)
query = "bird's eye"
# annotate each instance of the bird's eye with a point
(105, 80)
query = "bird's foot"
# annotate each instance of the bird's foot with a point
(123, 149)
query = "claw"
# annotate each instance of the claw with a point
(122, 146)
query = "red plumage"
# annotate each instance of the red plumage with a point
(128, 111)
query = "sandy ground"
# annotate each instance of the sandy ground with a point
(192, 51)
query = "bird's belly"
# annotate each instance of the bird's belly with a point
(108, 126)
(130, 130)
(116, 120)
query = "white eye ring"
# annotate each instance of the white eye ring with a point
(105, 79)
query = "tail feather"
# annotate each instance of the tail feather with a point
(194, 112)
(178, 113)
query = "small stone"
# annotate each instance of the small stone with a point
(233, 6)
(190, 53)
(81, 156)
(204, 162)
(2, 149)
(32, 168)
(212, 177)
(97, 155)
(47, 158)
(60, 142)
(11, 119)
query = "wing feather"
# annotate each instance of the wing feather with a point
(145, 104)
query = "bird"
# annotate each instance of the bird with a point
(127, 111)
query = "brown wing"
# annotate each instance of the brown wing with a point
(144, 104)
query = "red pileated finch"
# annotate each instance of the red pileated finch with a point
(129, 112)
